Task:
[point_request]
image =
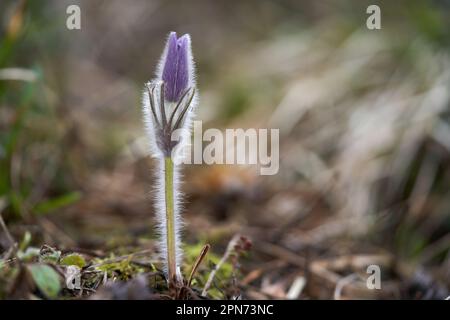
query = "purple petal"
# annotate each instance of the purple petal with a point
(183, 68)
(176, 69)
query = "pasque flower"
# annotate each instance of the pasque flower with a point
(170, 98)
(168, 105)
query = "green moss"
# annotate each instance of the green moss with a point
(123, 269)
(73, 259)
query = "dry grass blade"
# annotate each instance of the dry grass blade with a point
(197, 263)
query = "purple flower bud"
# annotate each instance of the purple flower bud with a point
(177, 67)
(169, 100)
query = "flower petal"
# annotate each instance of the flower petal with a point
(176, 67)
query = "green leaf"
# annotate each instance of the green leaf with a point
(57, 203)
(73, 259)
(46, 279)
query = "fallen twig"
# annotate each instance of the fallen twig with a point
(225, 257)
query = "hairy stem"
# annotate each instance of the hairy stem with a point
(170, 219)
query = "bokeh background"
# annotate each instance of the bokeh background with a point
(364, 140)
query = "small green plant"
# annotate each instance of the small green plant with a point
(168, 107)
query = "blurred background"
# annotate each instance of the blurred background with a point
(364, 119)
